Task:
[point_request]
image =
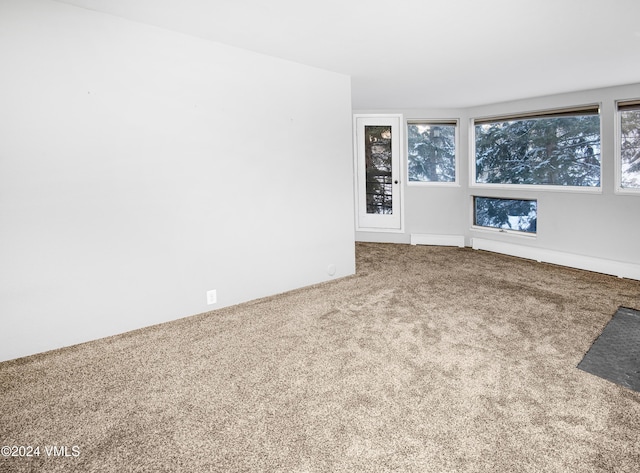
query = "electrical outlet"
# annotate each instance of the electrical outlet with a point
(212, 297)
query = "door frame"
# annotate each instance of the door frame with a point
(379, 223)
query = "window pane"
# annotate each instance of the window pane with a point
(630, 148)
(508, 214)
(378, 169)
(431, 152)
(557, 151)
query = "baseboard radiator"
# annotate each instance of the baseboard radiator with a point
(437, 240)
(598, 265)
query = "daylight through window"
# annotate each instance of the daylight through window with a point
(629, 115)
(555, 148)
(506, 214)
(378, 156)
(431, 151)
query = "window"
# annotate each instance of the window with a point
(554, 148)
(431, 151)
(379, 187)
(506, 214)
(629, 116)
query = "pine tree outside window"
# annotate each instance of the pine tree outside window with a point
(431, 152)
(559, 148)
(629, 145)
(519, 215)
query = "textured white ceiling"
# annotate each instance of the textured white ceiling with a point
(422, 53)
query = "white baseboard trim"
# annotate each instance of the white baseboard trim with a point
(589, 263)
(437, 240)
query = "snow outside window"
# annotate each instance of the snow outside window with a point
(431, 151)
(554, 148)
(518, 215)
(629, 115)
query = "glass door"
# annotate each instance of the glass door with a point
(378, 172)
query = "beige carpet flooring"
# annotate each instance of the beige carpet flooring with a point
(429, 359)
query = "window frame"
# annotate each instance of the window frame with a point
(504, 231)
(618, 151)
(438, 121)
(473, 184)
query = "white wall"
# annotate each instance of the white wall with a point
(141, 167)
(603, 225)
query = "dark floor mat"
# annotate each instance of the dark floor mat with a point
(615, 355)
